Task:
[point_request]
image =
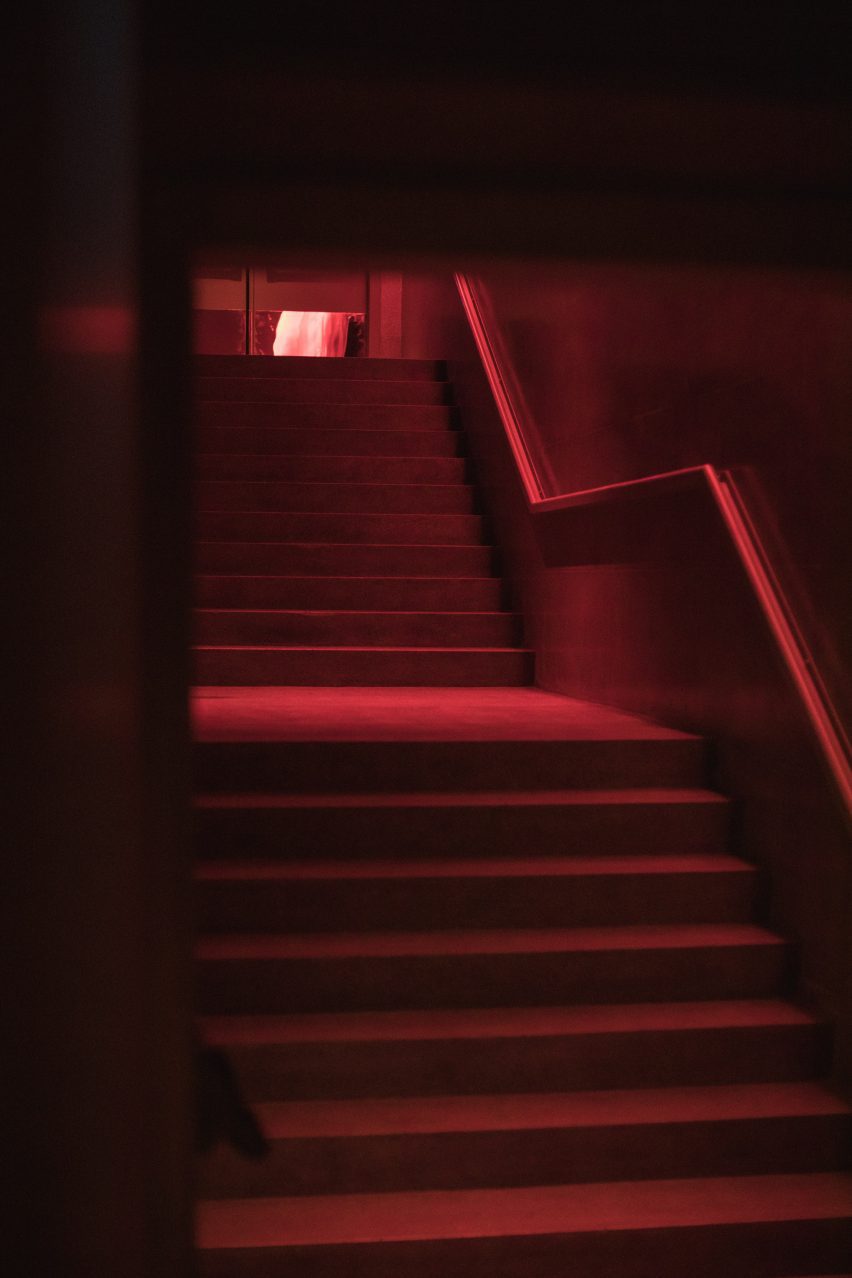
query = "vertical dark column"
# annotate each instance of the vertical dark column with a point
(96, 1007)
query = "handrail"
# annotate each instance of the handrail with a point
(777, 610)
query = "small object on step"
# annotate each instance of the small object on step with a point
(222, 1114)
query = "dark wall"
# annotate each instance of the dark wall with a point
(643, 604)
(96, 1003)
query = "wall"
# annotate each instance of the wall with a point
(642, 603)
(96, 1002)
(631, 371)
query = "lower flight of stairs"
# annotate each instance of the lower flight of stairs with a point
(339, 539)
(498, 1027)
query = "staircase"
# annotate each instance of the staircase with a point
(500, 994)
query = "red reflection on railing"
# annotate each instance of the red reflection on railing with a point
(777, 610)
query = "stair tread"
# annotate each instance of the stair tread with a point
(388, 545)
(484, 868)
(299, 428)
(312, 367)
(393, 945)
(466, 798)
(549, 1209)
(371, 612)
(351, 514)
(330, 393)
(360, 647)
(281, 576)
(327, 457)
(504, 1022)
(531, 1111)
(416, 714)
(338, 483)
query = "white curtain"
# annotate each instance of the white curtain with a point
(311, 333)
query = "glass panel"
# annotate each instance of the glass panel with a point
(219, 310)
(278, 311)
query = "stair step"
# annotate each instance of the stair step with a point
(349, 559)
(306, 390)
(339, 528)
(323, 441)
(530, 1049)
(547, 892)
(332, 470)
(355, 666)
(383, 498)
(407, 765)
(308, 366)
(385, 594)
(447, 824)
(746, 1226)
(355, 629)
(330, 416)
(376, 971)
(500, 1141)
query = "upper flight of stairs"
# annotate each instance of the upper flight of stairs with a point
(338, 535)
(503, 997)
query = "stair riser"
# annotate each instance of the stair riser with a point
(331, 470)
(612, 829)
(316, 441)
(761, 1250)
(385, 629)
(362, 667)
(361, 905)
(465, 1066)
(331, 416)
(543, 1156)
(353, 984)
(351, 766)
(258, 495)
(323, 390)
(387, 594)
(399, 529)
(312, 367)
(306, 559)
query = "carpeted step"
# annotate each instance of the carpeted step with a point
(743, 1227)
(236, 414)
(467, 824)
(527, 1049)
(341, 628)
(385, 594)
(332, 470)
(358, 667)
(471, 1142)
(382, 498)
(482, 892)
(348, 559)
(306, 390)
(389, 970)
(309, 366)
(321, 441)
(439, 739)
(339, 527)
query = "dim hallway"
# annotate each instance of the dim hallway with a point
(501, 994)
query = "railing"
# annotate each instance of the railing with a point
(780, 617)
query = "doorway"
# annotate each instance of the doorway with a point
(279, 310)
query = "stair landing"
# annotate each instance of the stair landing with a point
(222, 713)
